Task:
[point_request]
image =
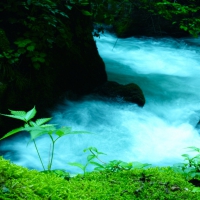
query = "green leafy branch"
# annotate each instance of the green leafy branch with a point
(113, 166)
(186, 16)
(39, 128)
(191, 168)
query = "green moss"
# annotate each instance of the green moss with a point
(20, 183)
(154, 183)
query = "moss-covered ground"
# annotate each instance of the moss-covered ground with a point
(157, 183)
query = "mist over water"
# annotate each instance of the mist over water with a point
(167, 70)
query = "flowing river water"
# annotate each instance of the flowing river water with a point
(168, 72)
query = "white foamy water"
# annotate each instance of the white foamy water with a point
(168, 72)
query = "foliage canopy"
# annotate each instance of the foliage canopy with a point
(32, 27)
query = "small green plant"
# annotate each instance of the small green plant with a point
(113, 166)
(191, 168)
(94, 154)
(118, 165)
(39, 128)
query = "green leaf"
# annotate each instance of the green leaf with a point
(184, 28)
(180, 165)
(30, 48)
(77, 165)
(91, 149)
(31, 18)
(42, 121)
(49, 127)
(125, 165)
(15, 117)
(186, 156)
(189, 170)
(97, 164)
(63, 14)
(26, 125)
(12, 132)
(30, 114)
(138, 165)
(99, 168)
(35, 59)
(60, 133)
(33, 124)
(21, 51)
(193, 174)
(69, 7)
(72, 2)
(41, 59)
(37, 133)
(194, 149)
(16, 55)
(68, 130)
(23, 42)
(87, 13)
(83, 2)
(197, 157)
(146, 165)
(91, 157)
(196, 189)
(63, 131)
(18, 113)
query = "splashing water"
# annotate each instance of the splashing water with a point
(168, 72)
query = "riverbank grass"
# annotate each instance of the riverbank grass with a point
(19, 183)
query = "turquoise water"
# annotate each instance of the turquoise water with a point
(168, 72)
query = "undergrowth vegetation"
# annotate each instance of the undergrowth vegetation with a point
(153, 183)
(113, 180)
(191, 167)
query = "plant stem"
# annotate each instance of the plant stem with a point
(39, 155)
(84, 171)
(49, 158)
(96, 156)
(52, 153)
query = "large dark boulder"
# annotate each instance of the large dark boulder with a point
(130, 92)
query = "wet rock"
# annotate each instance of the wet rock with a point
(130, 92)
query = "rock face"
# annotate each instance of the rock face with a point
(130, 92)
(75, 66)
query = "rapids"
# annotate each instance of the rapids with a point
(167, 70)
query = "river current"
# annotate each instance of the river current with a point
(168, 72)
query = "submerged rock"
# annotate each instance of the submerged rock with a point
(130, 92)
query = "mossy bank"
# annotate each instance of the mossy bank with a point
(153, 183)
